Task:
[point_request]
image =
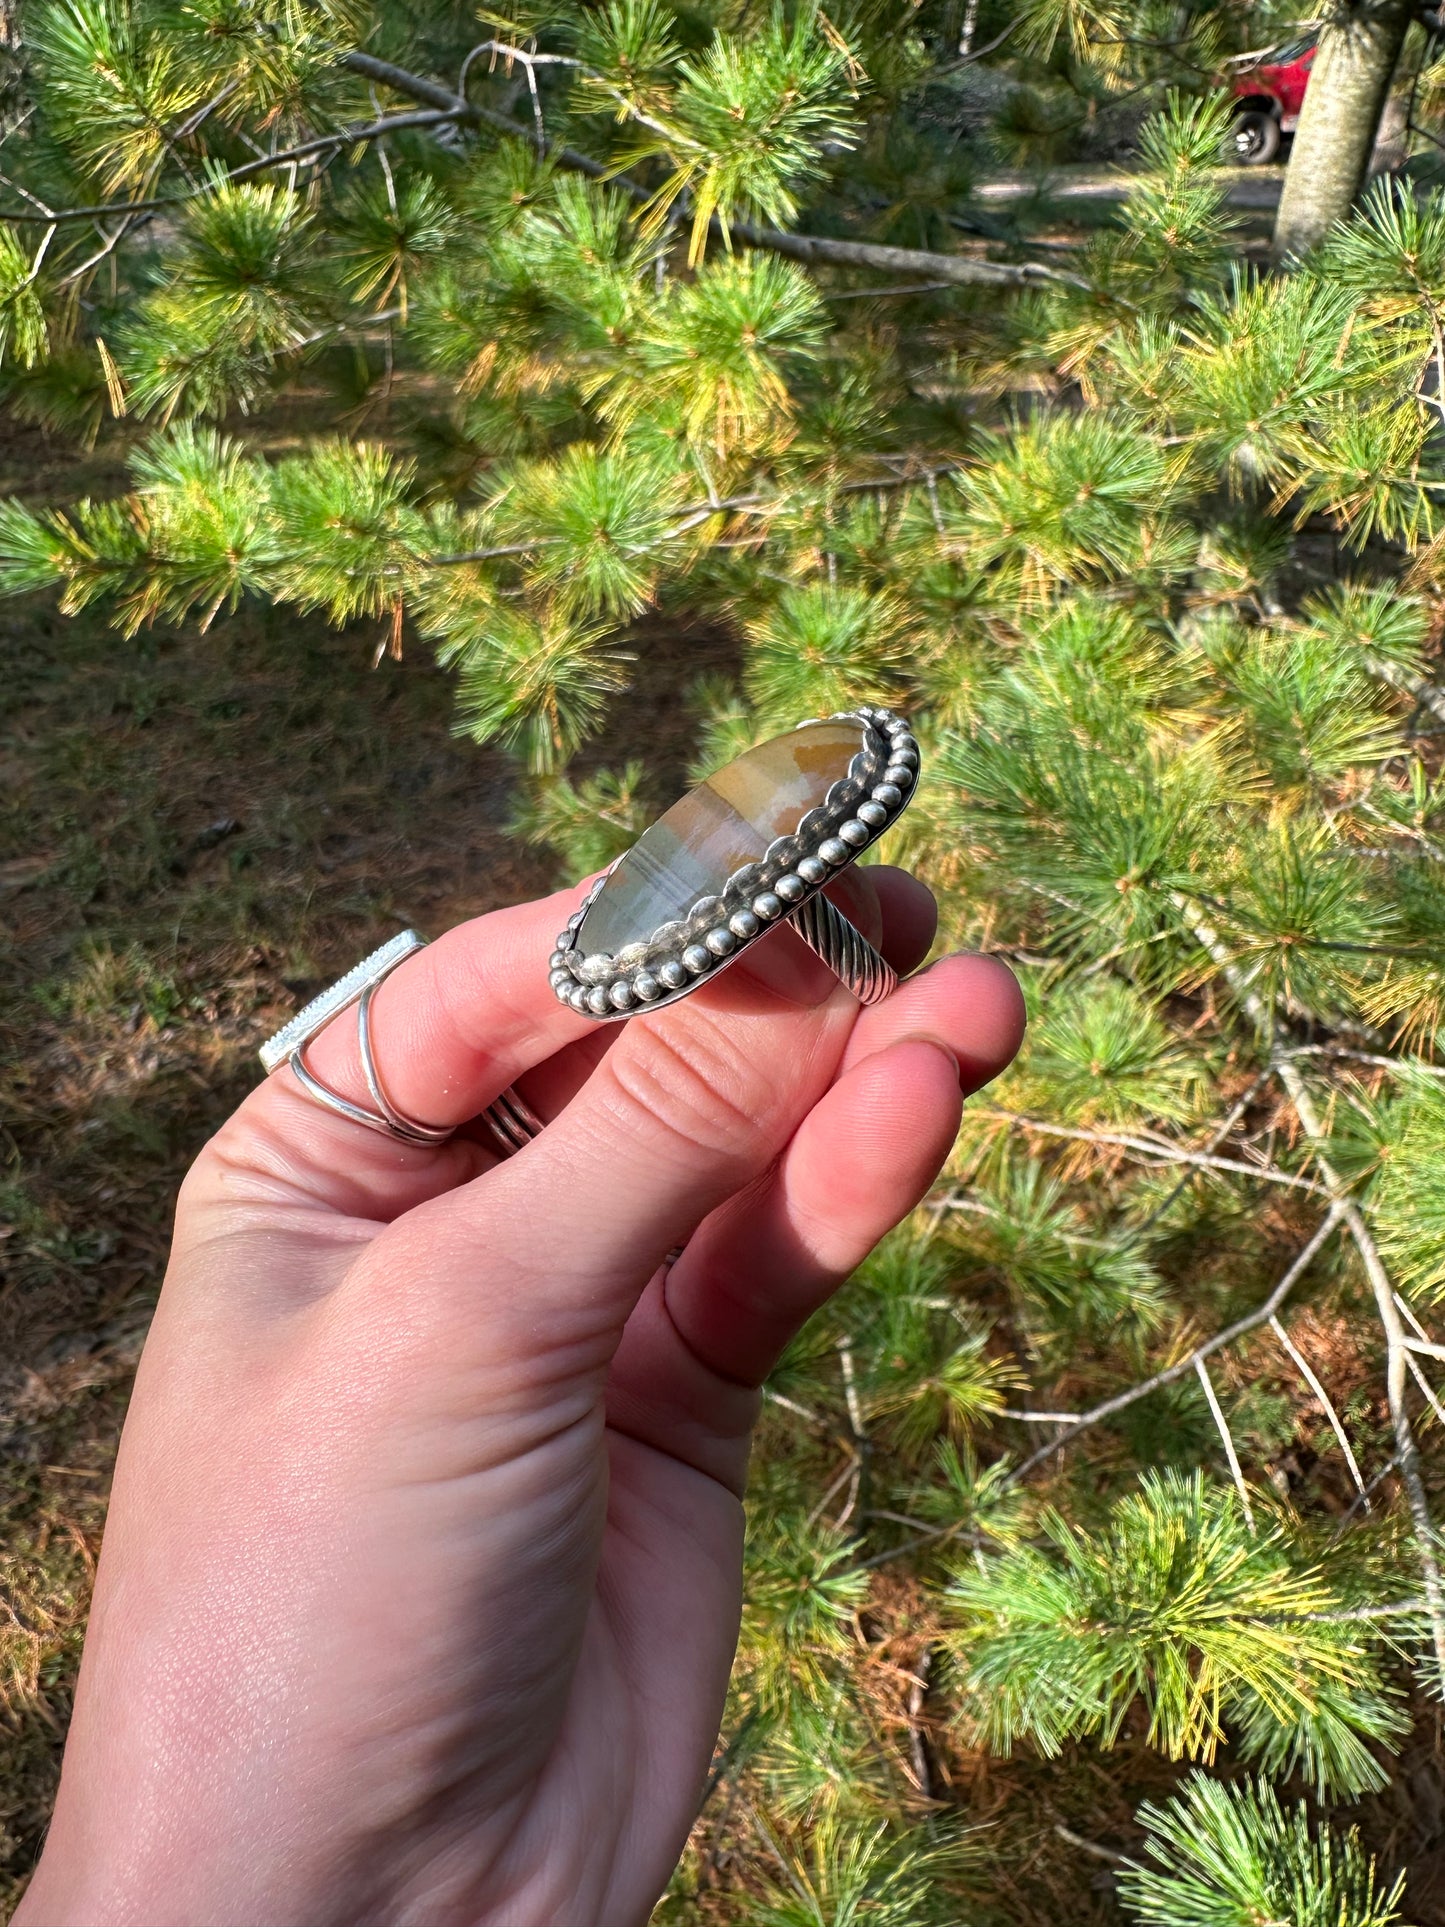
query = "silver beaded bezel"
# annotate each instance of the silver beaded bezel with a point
(678, 956)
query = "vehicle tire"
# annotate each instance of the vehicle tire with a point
(1254, 137)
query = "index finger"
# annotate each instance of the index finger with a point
(451, 1028)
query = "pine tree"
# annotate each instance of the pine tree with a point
(633, 312)
(1231, 1856)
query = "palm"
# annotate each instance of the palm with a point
(648, 1688)
(422, 1575)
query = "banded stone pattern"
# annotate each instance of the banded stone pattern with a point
(679, 905)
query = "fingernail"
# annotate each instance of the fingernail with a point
(936, 1043)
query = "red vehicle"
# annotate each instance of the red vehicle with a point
(1268, 94)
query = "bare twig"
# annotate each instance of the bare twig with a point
(917, 1746)
(1216, 1137)
(1425, 1386)
(1401, 1066)
(1408, 1314)
(792, 1405)
(1158, 1150)
(850, 1466)
(1236, 1471)
(879, 294)
(112, 242)
(204, 112)
(1073, 1839)
(1373, 1485)
(857, 1429)
(967, 57)
(1307, 1374)
(1399, 1609)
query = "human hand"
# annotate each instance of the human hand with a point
(421, 1582)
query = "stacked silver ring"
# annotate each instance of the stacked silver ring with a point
(511, 1119)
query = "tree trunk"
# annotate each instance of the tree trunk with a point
(1349, 84)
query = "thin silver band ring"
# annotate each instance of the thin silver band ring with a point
(511, 1119)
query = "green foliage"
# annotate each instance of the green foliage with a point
(536, 684)
(347, 531)
(822, 647)
(846, 1876)
(804, 1590)
(588, 823)
(1100, 1054)
(925, 1366)
(1378, 622)
(1177, 1606)
(1409, 1195)
(748, 122)
(1067, 499)
(24, 331)
(1231, 1856)
(386, 234)
(715, 352)
(241, 291)
(1064, 1275)
(595, 519)
(112, 88)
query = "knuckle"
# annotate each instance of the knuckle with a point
(690, 1082)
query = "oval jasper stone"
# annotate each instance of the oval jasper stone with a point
(728, 821)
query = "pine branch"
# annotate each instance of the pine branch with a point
(815, 250)
(1397, 1355)
(1121, 1401)
(247, 170)
(1221, 1340)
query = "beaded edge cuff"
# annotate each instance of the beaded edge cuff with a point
(856, 811)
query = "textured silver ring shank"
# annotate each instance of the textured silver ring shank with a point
(845, 950)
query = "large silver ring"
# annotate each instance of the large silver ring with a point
(751, 846)
(511, 1119)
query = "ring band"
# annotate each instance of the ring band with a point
(846, 951)
(512, 1121)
